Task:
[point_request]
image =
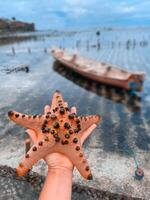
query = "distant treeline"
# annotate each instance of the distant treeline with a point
(13, 25)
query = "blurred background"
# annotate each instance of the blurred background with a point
(115, 32)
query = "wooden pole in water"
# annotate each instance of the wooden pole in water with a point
(45, 50)
(98, 40)
(13, 51)
(29, 50)
(87, 45)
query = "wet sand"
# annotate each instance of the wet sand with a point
(125, 129)
(16, 187)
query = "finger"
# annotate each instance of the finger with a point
(46, 109)
(87, 133)
(32, 135)
(66, 104)
(73, 110)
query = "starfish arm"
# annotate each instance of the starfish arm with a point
(83, 168)
(78, 159)
(37, 152)
(87, 121)
(57, 101)
(28, 121)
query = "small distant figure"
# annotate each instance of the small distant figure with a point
(98, 33)
(13, 18)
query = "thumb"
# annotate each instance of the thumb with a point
(87, 133)
(32, 135)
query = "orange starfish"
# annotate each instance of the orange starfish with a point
(57, 131)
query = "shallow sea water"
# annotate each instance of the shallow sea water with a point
(125, 127)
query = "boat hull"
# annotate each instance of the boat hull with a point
(133, 82)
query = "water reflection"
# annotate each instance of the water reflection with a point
(16, 39)
(131, 100)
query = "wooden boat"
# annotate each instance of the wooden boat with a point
(100, 71)
(131, 100)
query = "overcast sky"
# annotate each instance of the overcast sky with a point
(49, 14)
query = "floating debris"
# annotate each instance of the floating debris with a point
(24, 68)
(139, 173)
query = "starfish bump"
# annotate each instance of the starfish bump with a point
(57, 131)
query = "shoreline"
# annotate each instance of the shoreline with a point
(15, 38)
(35, 181)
